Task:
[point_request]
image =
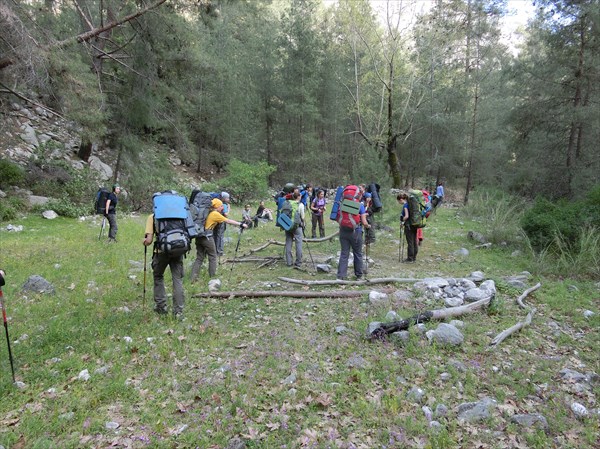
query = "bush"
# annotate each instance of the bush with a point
(10, 174)
(66, 208)
(10, 207)
(246, 181)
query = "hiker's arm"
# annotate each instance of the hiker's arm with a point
(107, 207)
(149, 231)
(148, 239)
(236, 223)
(363, 219)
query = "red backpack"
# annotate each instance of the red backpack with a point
(349, 212)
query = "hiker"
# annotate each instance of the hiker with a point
(317, 207)
(246, 217)
(111, 214)
(412, 248)
(427, 198)
(351, 234)
(2, 282)
(370, 232)
(262, 212)
(305, 193)
(439, 194)
(296, 234)
(160, 262)
(219, 231)
(205, 246)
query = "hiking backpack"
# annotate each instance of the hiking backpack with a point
(288, 217)
(173, 223)
(417, 209)
(200, 206)
(427, 199)
(348, 215)
(336, 203)
(100, 202)
(373, 189)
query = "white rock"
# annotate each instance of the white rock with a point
(579, 410)
(84, 375)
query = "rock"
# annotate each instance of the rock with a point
(489, 286)
(530, 419)
(579, 410)
(13, 228)
(340, 330)
(84, 375)
(476, 276)
(357, 361)
(375, 296)
(49, 214)
(454, 301)
(236, 443)
(214, 285)
(104, 171)
(400, 336)
(416, 394)
(446, 334)
(28, 135)
(475, 294)
(392, 316)
(476, 236)
(38, 284)
(431, 283)
(463, 252)
(323, 268)
(588, 314)
(403, 295)
(476, 411)
(112, 425)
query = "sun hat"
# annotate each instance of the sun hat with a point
(216, 203)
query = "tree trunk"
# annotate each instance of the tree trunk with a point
(85, 149)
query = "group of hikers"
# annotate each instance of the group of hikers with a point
(176, 222)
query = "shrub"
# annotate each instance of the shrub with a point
(10, 207)
(66, 208)
(245, 181)
(10, 174)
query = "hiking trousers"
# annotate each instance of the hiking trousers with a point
(160, 262)
(205, 246)
(350, 239)
(412, 246)
(112, 221)
(289, 238)
(317, 220)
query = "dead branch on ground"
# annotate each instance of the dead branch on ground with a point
(385, 329)
(285, 294)
(521, 324)
(342, 282)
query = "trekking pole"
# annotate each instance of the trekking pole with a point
(102, 227)
(12, 366)
(236, 250)
(145, 258)
(308, 248)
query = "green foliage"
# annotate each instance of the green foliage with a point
(10, 208)
(10, 174)
(245, 181)
(65, 207)
(499, 212)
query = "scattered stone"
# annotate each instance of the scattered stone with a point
(20, 385)
(392, 316)
(375, 296)
(291, 379)
(446, 334)
(588, 314)
(372, 327)
(323, 268)
(476, 411)
(416, 394)
(49, 214)
(463, 252)
(476, 236)
(236, 443)
(340, 330)
(14, 228)
(112, 425)
(400, 336)
(440, 411)
(579, 410)
(214, 285)
(38, 284)
(357, 361)
(530, 419)
(35, 200)
(454, 301)
(127, 339)
(476, 276)
(84, 375)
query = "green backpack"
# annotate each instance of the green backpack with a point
(417, 208)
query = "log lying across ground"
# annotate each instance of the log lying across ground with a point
(385, 329)
(285, 294)
(341, 282)
(277, 243)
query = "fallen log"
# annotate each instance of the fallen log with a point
(253, 259)
(277, 243)
(342, 282)
(511, 330)
(385, 329)
(285, 294)
(321, 239)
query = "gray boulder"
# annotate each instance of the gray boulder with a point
(38, 284)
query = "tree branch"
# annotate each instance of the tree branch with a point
(84, 37)
(341, 282)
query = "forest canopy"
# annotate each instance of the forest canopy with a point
(333, 89)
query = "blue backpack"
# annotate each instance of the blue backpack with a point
(173, 223)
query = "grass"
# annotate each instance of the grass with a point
(224, 371)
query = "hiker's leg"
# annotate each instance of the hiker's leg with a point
(411, 240)
(211, 251)
(289, 237)
(357, 243)
(321, 226)
(176, 265)
(315, 221)
(199, 258)
(112, 221)
(345, 238)
(298, 234)
(159, 265)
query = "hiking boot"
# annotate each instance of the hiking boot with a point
(408, 261)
